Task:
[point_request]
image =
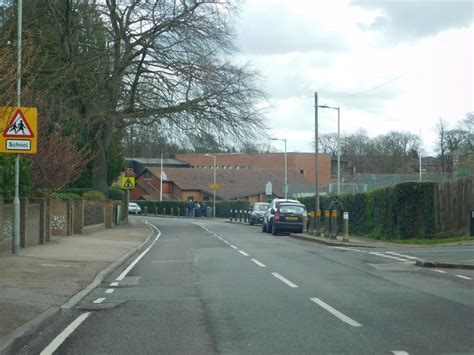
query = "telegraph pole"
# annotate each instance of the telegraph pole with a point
(16, 199)
(316, 152)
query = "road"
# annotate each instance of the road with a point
(208, 287)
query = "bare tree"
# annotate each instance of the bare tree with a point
(442, 146)
(162, 62)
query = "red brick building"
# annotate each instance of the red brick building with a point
(301, 163)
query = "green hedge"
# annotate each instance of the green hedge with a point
(222, 207)
(7, 176)
(113, 193)
(402, 211)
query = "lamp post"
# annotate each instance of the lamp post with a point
(338, 146)
(285, 186)
(214, 189)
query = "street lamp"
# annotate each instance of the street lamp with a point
(285, 186)
(338, 146)
(214, 187)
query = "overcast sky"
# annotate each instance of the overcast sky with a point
(390, 65)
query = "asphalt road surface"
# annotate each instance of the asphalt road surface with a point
(208, 287)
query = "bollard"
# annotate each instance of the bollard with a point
(156, 211)
(310, 225)
(172, 211)
(164, 211)
(317, 223)
(230, 215)
(333, 232)
(178, 212)
(145, 208)
(246, 213)
(345, 238)
(240, 216)
(327, 224)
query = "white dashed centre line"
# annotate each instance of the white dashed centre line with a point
(336, 313)
(114, 284)
(284, 280)
(233, 247)
(463, 277)
(399, 352)
(99, 300)
(243, 253)
(440, 271)
(258, 263)
(109, 290)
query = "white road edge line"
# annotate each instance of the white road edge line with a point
(464, 277)
(233, 247)
(258, 263)
(56, 343)
(400, 352)
(100, 300)
(336, 313)
(243, 253)
(134, 262)
(440, 271)
(284, 280)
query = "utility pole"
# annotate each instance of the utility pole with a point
(316, 152)
(16, 198)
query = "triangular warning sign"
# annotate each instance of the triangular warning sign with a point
(128, 184)
(18, 127)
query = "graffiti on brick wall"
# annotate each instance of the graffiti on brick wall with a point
(59, 222)
(8, 229)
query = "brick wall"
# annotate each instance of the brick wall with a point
(303, 163)
(93, 213)
(59, 217)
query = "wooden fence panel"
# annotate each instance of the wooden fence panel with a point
(452, 202)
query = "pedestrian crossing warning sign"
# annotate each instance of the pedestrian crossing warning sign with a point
(128, 183)
(18, 129)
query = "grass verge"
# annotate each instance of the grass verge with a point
(423, 241)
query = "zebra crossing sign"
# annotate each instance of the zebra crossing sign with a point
(128, 183)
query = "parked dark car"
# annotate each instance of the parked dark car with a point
(289, 217)
(268, 216)
(258, 211)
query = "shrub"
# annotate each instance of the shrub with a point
(93, 196)
(114, 193)
(66, 195)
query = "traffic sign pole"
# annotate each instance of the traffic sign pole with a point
(16, 199)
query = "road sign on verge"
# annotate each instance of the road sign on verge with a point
(18, 129)
(128, 183)
(214, 186)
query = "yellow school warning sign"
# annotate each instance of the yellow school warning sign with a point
(18, 129)
(214, 186)
(128, 183)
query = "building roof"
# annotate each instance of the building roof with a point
(236, 183)
(157, 162)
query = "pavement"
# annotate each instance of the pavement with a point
(41, 280)
(365, 242)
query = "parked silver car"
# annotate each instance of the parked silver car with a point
(258, 211)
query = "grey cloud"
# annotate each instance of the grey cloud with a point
(269, 30)
(372, 101)
(411, 20)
